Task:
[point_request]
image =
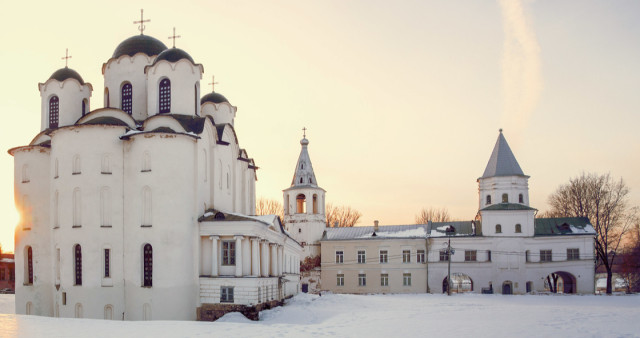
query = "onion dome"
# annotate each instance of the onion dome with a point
(139, 44)
(214, 98)
(173, 55)
(66, 73)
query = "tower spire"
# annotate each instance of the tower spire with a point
(502, 161)
(304, 174)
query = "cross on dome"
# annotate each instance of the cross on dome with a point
(66, 58)
(304, 132)
(213, 83)
(174, 37)
(141, 22)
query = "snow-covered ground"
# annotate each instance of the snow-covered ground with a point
(373, 316)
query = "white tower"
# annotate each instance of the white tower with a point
(504, 195)
(304, 205)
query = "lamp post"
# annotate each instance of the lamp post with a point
(450, 231)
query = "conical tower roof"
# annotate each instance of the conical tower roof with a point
(304, 175)
(502, 162)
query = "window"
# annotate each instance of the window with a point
(226, 294)
(406, 279)
(498, 228)
(470, 255)
(488, 255)
(545, 255)
(147, 258)
(518, 228)
(164, 92)
(488, 199)
(420, 257)
(77, 207)
(29, 260)
(520, 198)
(361, 257)
(77, 169)
(85, 107)
(301, 200)
(573, 254)
(444, 256)
(384, 279)
(406, 256)
(54, 112)
(126, 98)
(106, 97)
(106, 164)
(340, 279)
(55, 169)
(505, 198)
(146, 207)
(146, 162)
(107, 262)
(362, 279)
(384, 256)
(315, 202)
(339, 257)
(228, 253)
(196, 96)
(105, 207)
(529, 286)
(25, 174)
(526, 256)
(77, 258)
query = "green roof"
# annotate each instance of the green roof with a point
(563, 226)
(507, 206)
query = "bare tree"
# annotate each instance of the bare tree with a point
(630, 267)
(433, 215)
(344, 216)
(269, 206)
(604, 201)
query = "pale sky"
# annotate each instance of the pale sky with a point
(402, 99)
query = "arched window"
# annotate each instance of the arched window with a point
(56, 211)
(300, 179)
(29, 308)
(77, 169)
(286, 204)
(126, 98)
(301, 200)
(196, 96)
(84, 107)
(106, 164)
(505, 198)
(78, 310)
(488, 199)
(146, 206)
(108, 312)
(526, 256)
(315, 203)
(105, 207)
(146, 162)
(498, 228)
(25, 173)
(55, 169)
(164, 97)
(518, 228)
(147, 265)
(29, 265)
(520, 198)
(77, 207)
(54, 111)
(26, 212)
(77, 262)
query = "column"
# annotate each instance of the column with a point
(214, 255)
(255, 257)
(264, 270)
(238, 255)
(279, 263)
(274, 259)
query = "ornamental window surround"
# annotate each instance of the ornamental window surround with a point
(228, 253)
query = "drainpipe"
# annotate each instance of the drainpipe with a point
(426, 253)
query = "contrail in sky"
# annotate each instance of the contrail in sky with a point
(521, 74)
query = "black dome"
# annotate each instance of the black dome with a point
(173, 55)
(139, 44)
(66, 73)
(213, 97)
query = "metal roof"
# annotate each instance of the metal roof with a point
(384, 232)
(563, 226)
(508, 206)
(502, 162)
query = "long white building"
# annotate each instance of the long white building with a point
(140, 210)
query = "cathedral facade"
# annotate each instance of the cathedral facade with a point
(142, 209)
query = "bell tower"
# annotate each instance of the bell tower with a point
(304, 205)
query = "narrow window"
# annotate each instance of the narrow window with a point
(25, 174)
(300, 179)
(57, 266)
(226, 294)
(518, 228)
(384, 279)
(302, 202)
(106, 164)
(196, 101)
(406, 256)
(105, 207)
(498, 228)
(29, 260)
(505, 198)
(108, 312)
(85, 107)
(529, 287)
(520, 198)
(107, 263)
(126, 98)
(340, 279)
(77, 258)
(444, 255)
(421, 256)
(228, 253)
(488, 199)
(406, 279)
(77, 207)
(315, 203)
(384, 257)
(361, 257)
(573, 254)
(106, 98)
(164, 91)
(339, 257)
(54, 112)
(146, 206)
(470, 255)
(77, 169)
(545, 255)
(55, 169)
(78, 310)
(488, 255)
(146, 162)
(362, 279)
(526, 256)
(148, 265)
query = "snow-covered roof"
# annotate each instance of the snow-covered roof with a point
(387, 231)
(563, 226)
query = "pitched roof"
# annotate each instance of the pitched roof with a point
(502, 162)
(463, 228)
(384, 232)
(304, 175)
(563, 226)
(508, 206)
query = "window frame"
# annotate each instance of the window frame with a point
(573, 254)
(147, 265)
(471, 255)
(362, 256)
(226, 294)
(546, 255)
(406, 256)
(126, 98)
(406, 279)
(384, 279)
(420, 256)
(54, 111)
(77, 264)
(340, 279)
(444, 255)
(228, 253)
(362, 279)
(164, 96)
(384, 256)
(339, 256)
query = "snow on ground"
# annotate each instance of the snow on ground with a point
(374, 316)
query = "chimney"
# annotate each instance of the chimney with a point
(375, 226)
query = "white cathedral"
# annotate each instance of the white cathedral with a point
(141, 210)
